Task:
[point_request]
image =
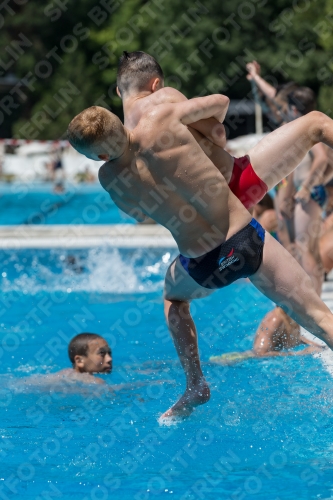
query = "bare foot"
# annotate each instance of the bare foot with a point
(194, 396)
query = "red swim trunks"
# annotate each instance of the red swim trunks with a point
(245, 184)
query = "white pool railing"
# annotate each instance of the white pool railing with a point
(85, 236)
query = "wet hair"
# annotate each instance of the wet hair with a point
(304, 99)
(135, 70)
(93, 126)
(79, 345)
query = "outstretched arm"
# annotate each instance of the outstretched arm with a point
(266, 88)
(233, 358)
(304, 352)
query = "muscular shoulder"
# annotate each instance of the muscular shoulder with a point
(169, 95)
(108, 174)
(158, 113)
(162, 97)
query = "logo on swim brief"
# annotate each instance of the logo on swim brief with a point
(228, 260)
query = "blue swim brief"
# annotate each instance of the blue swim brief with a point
(238, 257)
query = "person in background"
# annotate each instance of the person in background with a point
(306, 194)
(272, 341)
(326, 240)
(273, 100)
(300, 197)
(57, 170)
(265, 213)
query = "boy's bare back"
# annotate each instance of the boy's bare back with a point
(168, 176)
(135, 108)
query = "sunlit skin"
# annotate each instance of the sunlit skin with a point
(151, 162)
(277, 335)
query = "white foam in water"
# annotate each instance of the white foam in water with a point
(102, 270)
(326, 358)
(37, 384)
(169, 421)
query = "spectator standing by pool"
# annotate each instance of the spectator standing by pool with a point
(300, 198)
(57, 170)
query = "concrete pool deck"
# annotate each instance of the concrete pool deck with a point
(85, 236)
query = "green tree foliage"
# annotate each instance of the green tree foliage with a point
(203, 47)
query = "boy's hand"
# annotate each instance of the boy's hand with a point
(213, 130)
(303, 195)
(253, 69)
(218, 135)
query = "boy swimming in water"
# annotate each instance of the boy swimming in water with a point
(270, 341)
(159, 170)
(89, 353)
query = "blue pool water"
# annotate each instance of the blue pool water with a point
(38, 204)
(265, 434)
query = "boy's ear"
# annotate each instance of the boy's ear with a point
(78, 361)
(118, 92)
(156, 84)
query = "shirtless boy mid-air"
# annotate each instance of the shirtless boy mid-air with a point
(159, 170)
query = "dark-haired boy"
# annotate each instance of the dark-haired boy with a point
(89, 353)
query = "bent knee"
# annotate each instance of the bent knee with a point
(176, 309)
(320, 122)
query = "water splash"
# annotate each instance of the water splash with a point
(102, 270)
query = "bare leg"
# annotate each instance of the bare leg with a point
(185, 338)
(180, 288)
(279, 153)
(279, 277)
(283, 280)
(307, 232)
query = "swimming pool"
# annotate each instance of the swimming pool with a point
(266, 433)
(38, 204)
